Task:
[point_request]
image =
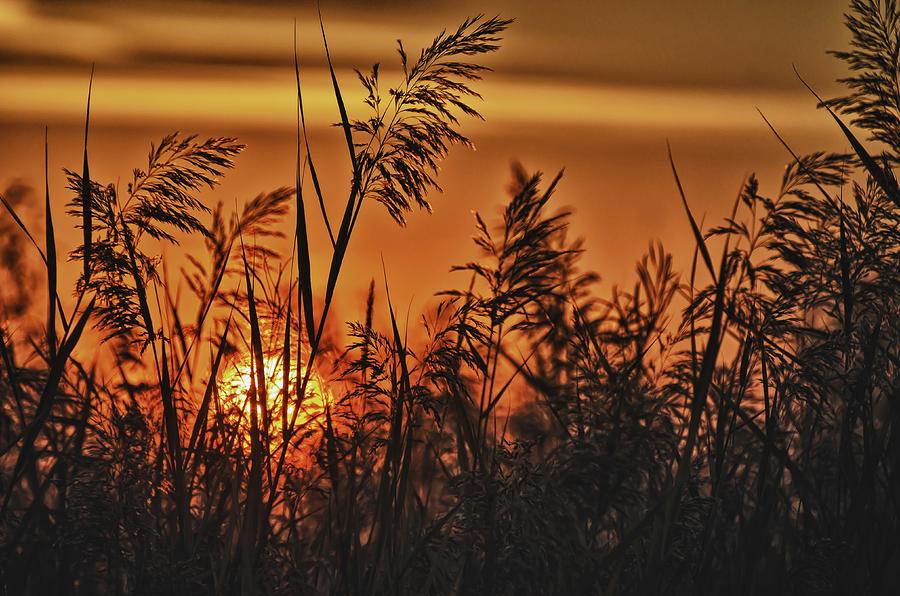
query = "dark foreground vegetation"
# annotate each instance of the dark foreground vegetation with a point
(724, 430)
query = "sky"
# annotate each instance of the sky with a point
(593, 87)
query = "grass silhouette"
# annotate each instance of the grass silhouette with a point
(724, 430)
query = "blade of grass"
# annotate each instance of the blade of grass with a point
(345, 121)
(698, 235)
(800, 163)
(251, 529)
(50, 239)
(304, 275)
(86, 189)
(286, 369)
(337, 259)
(698, 402)
(887, 183)
(309, 157)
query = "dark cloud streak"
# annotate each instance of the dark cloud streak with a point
(700, 43)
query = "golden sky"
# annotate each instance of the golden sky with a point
(595, 87)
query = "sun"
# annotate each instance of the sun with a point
(237, 382)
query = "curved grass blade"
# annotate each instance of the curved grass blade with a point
(345, 121)
(251, 528)
(309, 157)
(50, 239)
(86, 189)
(304, 275)
(884, 179)
(698, 235)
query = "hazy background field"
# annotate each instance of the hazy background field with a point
(595, 87)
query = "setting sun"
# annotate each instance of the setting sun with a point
(237, 382)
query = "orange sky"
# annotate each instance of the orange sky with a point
(595, 87)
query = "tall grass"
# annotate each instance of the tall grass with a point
(725, 430)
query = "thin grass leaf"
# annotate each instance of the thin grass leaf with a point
(345, 121)
(698, 235)
(51, 255)
(86, 215)
(304, 275)
(885, 179)
(309, 157)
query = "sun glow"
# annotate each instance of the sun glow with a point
(273, 417)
